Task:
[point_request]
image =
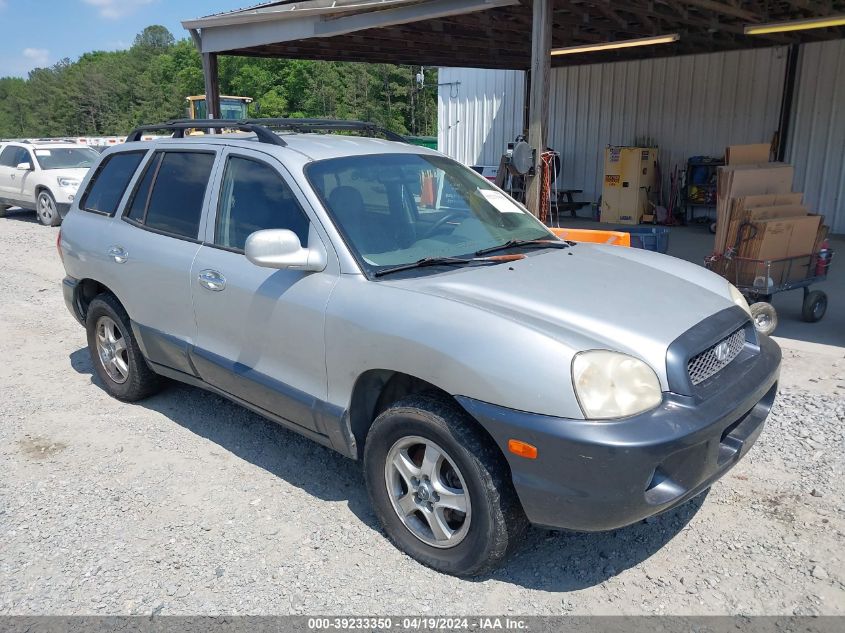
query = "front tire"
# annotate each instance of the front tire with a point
(440, 487)
(115, 354)
(46, 209)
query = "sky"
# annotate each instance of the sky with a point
(37, 33)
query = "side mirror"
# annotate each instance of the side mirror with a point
(24, 167)
(281, 248)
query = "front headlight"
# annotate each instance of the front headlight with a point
(738, 299)
(612, 385)
(68, 183)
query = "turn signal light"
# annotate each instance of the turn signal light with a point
(523, 449)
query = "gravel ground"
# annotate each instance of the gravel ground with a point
(188, 504)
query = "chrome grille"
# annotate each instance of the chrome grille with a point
(713, 360)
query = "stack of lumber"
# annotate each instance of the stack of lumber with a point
(759, 217)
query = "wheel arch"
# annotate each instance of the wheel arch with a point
(375, 390)
(86, 290)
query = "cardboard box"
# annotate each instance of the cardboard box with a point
(747, 154)
(804, 232)
(741, 215)
(739, 181)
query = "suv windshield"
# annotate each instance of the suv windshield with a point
(66, 157)
(396, 209)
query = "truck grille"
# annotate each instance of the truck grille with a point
(713, 360)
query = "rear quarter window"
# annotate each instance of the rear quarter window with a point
(109, 182)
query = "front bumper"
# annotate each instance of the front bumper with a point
(602, 475)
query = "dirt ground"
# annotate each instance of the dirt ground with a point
(186, 503)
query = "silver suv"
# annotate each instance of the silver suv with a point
(392, 304)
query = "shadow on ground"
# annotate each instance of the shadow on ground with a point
(547, 560)
(20, 215)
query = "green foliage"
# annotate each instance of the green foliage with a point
(154, 39)
(108, 93)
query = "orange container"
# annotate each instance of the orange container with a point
(615, 238)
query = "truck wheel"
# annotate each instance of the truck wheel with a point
(815, 305)
(46, 209)
(440, 488)
(3, 209)
(764, 316)
(115, 354)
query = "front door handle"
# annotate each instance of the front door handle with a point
(118, 254)
(212, 280)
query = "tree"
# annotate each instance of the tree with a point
(154, 39)
(110, 92)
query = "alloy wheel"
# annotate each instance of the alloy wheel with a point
(46, 208)
(428, 492)
(111, 349)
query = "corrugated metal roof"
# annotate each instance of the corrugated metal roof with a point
(284, 9)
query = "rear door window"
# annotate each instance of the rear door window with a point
(109, 182)
(14, 155)
(170, 195)
(7, 156)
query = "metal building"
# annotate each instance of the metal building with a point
(688, 105)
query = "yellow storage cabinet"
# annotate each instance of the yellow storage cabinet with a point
(629, 174)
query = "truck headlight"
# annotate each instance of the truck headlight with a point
(68, 183)
(739, 299)
(612, 385)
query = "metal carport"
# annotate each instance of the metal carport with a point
(507, 34)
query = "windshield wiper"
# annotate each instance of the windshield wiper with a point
(518, 243)
(448, 261)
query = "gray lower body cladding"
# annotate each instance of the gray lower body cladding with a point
(602, 475)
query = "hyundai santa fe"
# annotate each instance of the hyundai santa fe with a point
(395, 306)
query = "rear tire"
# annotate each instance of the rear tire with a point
(46, 209)
(115, 354)
(445, 463)
(814, 307)
(765, 317)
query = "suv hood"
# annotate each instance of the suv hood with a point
(589, 296)
(74, 172)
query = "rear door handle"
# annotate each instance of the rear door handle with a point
(212, 280)
(118, 254)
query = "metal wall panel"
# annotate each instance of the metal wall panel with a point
(480, 115)
(816, 144)
(688, 106)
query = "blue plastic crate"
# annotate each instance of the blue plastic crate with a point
(650, 238)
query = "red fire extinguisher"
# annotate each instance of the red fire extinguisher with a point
(822, 259)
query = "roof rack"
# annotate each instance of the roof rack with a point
(179, 126)
(40, 141)
(261, 128)
(311, 125)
